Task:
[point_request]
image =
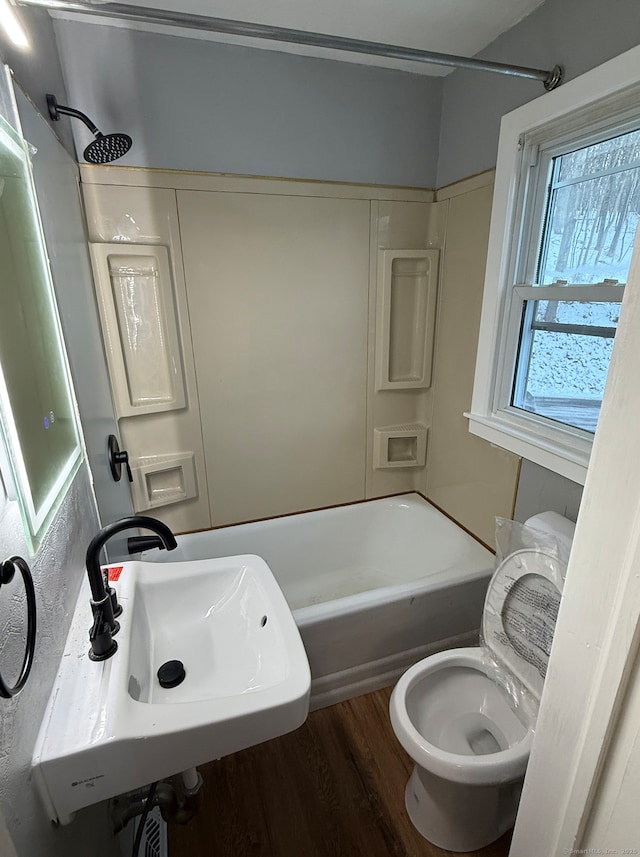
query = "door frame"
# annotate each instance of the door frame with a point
(598, 629)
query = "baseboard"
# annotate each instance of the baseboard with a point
(365, 678)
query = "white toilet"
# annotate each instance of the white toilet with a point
(470, 737)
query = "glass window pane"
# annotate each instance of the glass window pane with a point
(622, 151)
(592, 213)
(561, 372)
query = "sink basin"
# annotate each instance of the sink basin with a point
(220, 625)
(111, 727)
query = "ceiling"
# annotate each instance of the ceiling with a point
(461, 27)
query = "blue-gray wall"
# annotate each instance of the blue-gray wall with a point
(267, 113)
(37, 69)
(578, 34)
(541, 490)
(192, 104)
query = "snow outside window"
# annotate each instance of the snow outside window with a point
(565, 215)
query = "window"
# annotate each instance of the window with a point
(565, 216)
(580, 251)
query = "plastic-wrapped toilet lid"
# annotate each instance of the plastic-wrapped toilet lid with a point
(520, 612)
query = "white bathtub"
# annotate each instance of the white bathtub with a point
(373, 586)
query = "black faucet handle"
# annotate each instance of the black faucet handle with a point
(98, 622)
(102, 643)
(117, 457)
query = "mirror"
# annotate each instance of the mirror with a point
(37, 408)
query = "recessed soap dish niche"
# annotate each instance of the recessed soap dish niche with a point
(406, 312)
(160, 480)
(400, 446)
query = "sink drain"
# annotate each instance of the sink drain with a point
(171, 674)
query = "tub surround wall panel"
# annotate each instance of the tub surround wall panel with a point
(281, 283)
(467, 477)
(395, 225)
(254, 112)
(159, 442)
(282, 280)
(278, 295)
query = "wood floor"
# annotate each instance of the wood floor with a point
(333, 788)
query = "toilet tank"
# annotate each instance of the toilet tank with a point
(553, 524)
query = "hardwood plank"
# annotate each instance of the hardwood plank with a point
(333, 788)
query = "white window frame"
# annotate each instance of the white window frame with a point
(602, 103)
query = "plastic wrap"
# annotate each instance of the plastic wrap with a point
(547, 532)
(521, 609)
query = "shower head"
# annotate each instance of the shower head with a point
(105, 148)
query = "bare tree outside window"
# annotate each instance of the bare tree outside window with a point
(593, 212)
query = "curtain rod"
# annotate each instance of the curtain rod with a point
(145, 15)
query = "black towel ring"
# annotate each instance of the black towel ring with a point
(7, 571)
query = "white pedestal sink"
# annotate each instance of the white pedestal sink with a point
(110, 727)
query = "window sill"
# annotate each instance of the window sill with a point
(558, 451)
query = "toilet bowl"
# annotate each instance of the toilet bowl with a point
(467, 716)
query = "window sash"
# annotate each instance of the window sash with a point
(536, 184)
(519, 331)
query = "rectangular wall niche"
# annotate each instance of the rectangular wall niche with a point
(160, 480)
(400, 446)
(406, 309)
(140, 327)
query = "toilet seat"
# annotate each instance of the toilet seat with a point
(519, 616)
(486, 769)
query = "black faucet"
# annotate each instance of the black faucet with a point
(104, 602)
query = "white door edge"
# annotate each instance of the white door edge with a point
(598, 626)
